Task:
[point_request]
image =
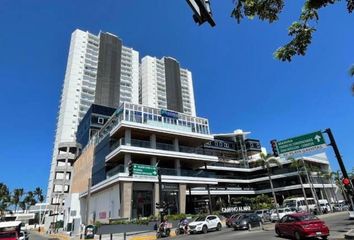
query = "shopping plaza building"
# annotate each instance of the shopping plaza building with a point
(116, 110)
(192, 162)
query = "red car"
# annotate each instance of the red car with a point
(300, 226)
(230, 220)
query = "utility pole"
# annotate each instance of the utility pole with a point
(340, 161)
(208, 188)
(88, 201)
(160, 192)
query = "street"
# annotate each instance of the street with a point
(338, 224)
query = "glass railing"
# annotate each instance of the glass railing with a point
(114, 171)
(160, 146)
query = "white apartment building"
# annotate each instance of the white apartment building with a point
(163, 84)
(92, 72)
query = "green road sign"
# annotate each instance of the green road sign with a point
(301, 144)
(144, 170)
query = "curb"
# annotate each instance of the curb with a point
(349, 234)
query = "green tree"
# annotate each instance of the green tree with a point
(266, 162)
(4, 198)
(338, 180)
(28, 201)
(16, 197)
(39, 194)
(330, 178)
(298, 165)
(300, 31)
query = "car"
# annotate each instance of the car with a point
(205, 223)
(301, 225)
(264, 214)
(282, 212)
(23, 235)
(341, 206)
(247, 221)
(351, 214)
(230, 220)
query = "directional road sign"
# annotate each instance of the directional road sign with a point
(301, 144)
(144, 170)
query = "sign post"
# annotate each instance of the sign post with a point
(301, 144)
(144, 170)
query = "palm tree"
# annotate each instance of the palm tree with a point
(297, 164)
(337, 178)
(266, 162)
(16, 197)
(38, 193)
(310, 182)
(329, 176)
(29, 200)
(4, 198)
(351, 73)
(321, 174)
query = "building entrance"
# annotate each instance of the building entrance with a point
(142, 200)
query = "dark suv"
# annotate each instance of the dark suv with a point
(247, 221)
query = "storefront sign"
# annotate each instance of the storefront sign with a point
(170, 114)
(236, 209)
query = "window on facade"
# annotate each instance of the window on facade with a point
(100, 120)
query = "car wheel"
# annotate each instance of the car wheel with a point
(218, 228)
(249, 226)
(325, 237)
(277, 231)
(205, 229)
(297, 236)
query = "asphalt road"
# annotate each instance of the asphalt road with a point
(36, 236)
(338, 224)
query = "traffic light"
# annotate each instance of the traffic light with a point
(273, 143)
(347, 185)
(346, 181)
(130, 167)
(202, 11)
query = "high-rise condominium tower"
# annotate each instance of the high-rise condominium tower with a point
(163, 84)
(99, 70)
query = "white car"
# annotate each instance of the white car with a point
(205, 223)
(23, 235)
(282, 213)
(351, 214)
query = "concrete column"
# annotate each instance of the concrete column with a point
(156, 198)
(176, 144)
(182, 198)
(153, 141)
(128, 136)
(153, 161)
(126, 204)
(178, 167)
(127, 159)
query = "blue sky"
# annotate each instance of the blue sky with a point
(237, 82)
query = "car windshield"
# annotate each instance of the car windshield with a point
(280, 211)
(290, 203)
(308, 217)
(258, 212)
(200, 219)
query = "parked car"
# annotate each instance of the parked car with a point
(23, 235)
(230, 220)
(341, 206)
(247, 221)
(264, 214)
(282, 212)
(301, 225)
(351, 214)
(205, 223)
